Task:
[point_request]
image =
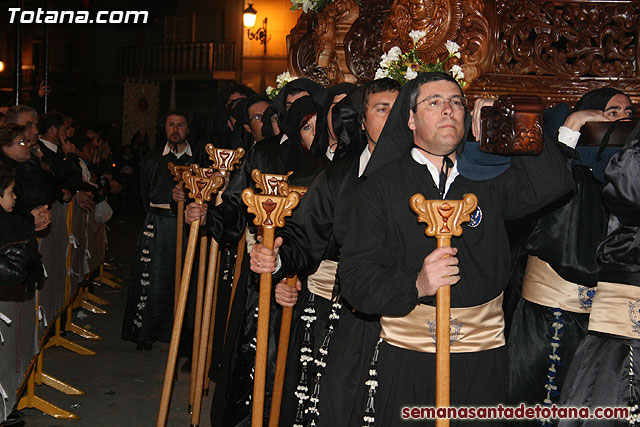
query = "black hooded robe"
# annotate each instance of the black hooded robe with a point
(599, 372)
(565, 235)
(150, 298)
(385, 247)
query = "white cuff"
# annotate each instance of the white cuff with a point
(278, 264)
(568, 137)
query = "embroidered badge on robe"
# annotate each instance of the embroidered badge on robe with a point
(585, 297)
(634, 315)
(475, 218)
(454, 329)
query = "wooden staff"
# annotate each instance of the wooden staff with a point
(195, 391)
(285, 331)
(444, 219)
(270, 212)
(224, 161)
(177, 171)
(269, 183)
(200, 190)
(240, 250)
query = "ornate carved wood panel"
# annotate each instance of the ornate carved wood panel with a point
(555, 49)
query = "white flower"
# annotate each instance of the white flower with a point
(410, 74)
(456, 72)
(269, 90)
(394, 53)
(283, 77)
(453, 48)
(417, 35)
(380, 74)
(307, 4)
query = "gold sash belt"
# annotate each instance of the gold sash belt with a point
(616, 310)
(321, 282)
(473, 329)
(160, 205)
(542, 285)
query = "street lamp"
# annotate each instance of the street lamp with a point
(249, 19)
(1, 65)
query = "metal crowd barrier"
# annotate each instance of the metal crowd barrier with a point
(72, 249)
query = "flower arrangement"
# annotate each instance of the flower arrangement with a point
(403, 67)
(281, 82)
(309, 5)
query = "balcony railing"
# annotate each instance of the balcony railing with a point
(184, 60)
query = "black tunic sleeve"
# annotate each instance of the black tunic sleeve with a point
(621, 194)
(309, 230)
(534, 181)
(372, 282)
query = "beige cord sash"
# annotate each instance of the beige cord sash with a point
(542, 285)
(616, 310)
(476, 328)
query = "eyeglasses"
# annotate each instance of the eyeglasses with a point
(22, 142)
(435, 102)
(255, 117)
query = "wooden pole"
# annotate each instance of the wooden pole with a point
(264, 303)
(281, 359)
(195, 352)
(179, 240)
(201, 190)
(210, 302)
(177, 172)
(444, 219)
(270, 211)
(212, 328)
(237, 270)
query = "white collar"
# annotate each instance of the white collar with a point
(283, 138)
(50, 145)
(433, 170)
(185, 150)
(330, 153)
(364, 160)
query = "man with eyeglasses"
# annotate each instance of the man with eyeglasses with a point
(390, 268)
(256, 106)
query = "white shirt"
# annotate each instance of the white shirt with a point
(185, 150)
(433, 170)
(50, 145)
(364, 160)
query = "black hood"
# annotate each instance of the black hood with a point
(396, 138)
(279, 102)
(324, 99)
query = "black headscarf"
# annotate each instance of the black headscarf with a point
(396, 137)
(240, 137)
(324, 99)
(596, 99)
(303, 108)
(347, 124)
(279, 102)
(267, 127)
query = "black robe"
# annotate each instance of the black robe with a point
(385, 247)
(149, 312)
(599, 372)
(313, 233)
(566, 235)
(226, 222)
